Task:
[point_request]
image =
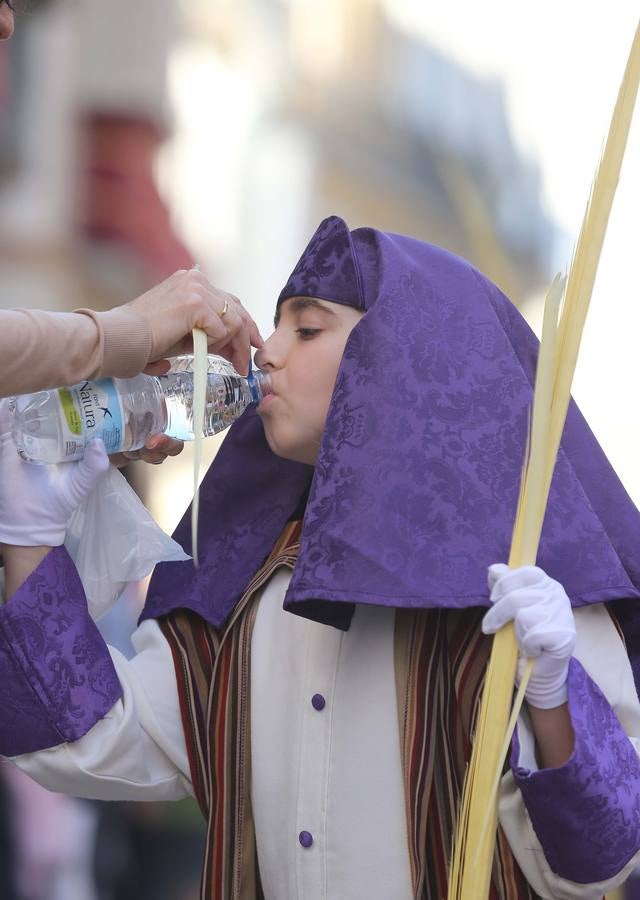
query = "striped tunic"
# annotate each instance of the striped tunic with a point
(440, 657)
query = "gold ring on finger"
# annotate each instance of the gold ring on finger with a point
(225, 308)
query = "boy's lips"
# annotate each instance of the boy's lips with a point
(266, 401)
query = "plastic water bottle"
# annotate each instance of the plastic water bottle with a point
(55, 425)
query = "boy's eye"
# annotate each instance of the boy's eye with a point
(306, 334)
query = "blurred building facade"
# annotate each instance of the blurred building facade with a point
(343, 112)
(369, 122)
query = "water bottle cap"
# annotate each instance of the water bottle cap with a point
(259, 383)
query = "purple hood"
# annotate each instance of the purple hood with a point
(415, 488)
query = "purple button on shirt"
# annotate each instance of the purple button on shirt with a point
(318, 702)
(305, 838)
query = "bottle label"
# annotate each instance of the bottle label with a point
(91, 410)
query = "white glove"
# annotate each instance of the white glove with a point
(544, 626)
(36, 502)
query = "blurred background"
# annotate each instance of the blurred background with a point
(136, 139)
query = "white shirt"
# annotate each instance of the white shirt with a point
(325, 784)
(326, 769)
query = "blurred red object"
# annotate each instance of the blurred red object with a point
(119, 202)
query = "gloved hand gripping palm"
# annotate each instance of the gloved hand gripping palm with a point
(544, 627)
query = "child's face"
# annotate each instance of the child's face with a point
(303, 356)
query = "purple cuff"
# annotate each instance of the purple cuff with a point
(56, 675)
(586, 813)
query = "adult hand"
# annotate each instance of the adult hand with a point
(544, 626)
(156, 449)
(36, 502)
(187, 300)
(6, 21)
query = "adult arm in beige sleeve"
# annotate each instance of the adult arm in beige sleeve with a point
(40, 349)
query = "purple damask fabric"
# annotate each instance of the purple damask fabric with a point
(415, 488)
(586, 813)
(56, 676)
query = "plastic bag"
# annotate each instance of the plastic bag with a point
(113, 540)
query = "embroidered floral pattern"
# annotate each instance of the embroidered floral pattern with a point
(326, 268)
(586, 813)
(56, 676)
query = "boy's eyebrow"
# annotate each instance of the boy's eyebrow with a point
(300, 303)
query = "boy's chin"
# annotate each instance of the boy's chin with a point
(293, 453)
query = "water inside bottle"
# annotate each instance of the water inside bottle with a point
(227, 397)
(39, 433)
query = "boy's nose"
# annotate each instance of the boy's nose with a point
(270, 355)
